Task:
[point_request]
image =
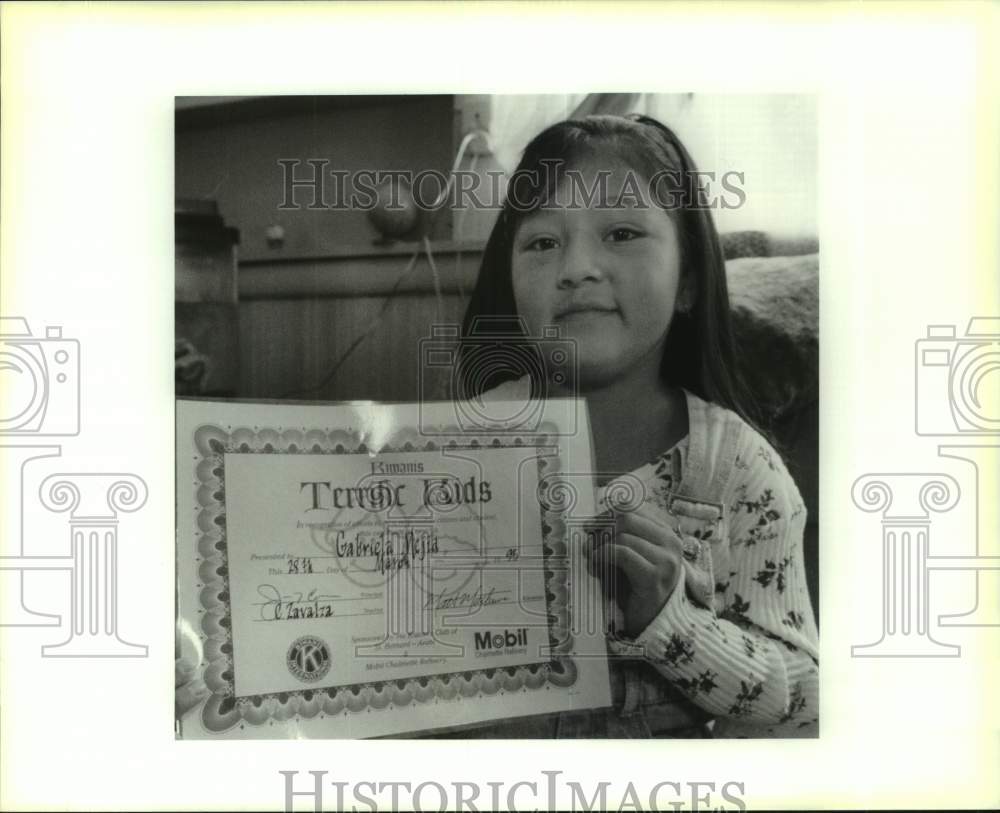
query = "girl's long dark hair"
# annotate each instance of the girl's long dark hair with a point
(700, 353)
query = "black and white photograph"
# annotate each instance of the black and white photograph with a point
(449, 269)
(499, 406)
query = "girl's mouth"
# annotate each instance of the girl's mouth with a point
(584, 310)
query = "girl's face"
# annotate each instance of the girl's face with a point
(609, 277)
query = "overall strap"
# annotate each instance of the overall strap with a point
(697, 505)
(713, 441)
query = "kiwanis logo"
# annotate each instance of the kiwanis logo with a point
(308, 658)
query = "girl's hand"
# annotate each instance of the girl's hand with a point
(640, 567)
(189, 690)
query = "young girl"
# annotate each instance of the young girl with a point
(605, 235)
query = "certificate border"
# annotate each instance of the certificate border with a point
(223, 710)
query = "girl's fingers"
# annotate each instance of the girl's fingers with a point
(657, 515)
(656, 533)
(189, 696)
(648, 550)
(183, 671)
(624, 556)
(614, 582)
(653, 543)
(652, 511)
(189, 689)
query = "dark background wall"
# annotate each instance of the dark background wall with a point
(229, 153)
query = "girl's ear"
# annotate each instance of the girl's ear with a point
(687, 294)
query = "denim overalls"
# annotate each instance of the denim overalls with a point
(644, 704)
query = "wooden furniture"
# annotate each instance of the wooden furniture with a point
(206, 314)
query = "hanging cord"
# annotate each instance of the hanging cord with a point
(425, 244)
(439, 308)
(459, 220)
(440, 388)
(462, 147)
(389, 299)
(460, 217)
(435, 275)
(469, 137)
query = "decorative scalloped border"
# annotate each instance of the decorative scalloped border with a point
(223, 710)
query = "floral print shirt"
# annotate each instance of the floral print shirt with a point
(743, 647)
(738, 636)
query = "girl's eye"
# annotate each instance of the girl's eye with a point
(623, 234)
(541, 244)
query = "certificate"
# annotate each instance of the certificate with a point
(363, 570)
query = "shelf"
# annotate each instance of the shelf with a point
(362, 271)
(398, 249)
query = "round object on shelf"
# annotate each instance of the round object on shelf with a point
(395, 215)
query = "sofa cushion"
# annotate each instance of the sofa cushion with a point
(775, 307)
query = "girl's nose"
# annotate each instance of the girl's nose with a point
(580, 263)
